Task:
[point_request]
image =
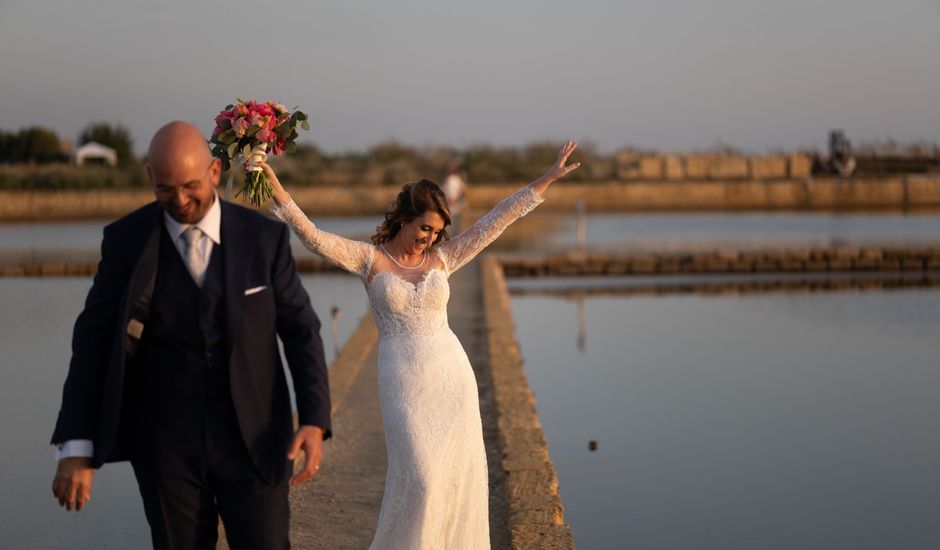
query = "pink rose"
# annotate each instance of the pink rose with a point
(240, 126)
(255, 120)
(265, 109)
(265, 135)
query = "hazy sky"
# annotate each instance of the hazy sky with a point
(666, 74)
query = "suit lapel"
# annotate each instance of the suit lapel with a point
(140, 287)
(237, 252)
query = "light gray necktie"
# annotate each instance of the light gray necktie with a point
(195, 260)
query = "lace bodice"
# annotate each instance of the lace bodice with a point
(404, 300)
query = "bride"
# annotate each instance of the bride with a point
(436, 484)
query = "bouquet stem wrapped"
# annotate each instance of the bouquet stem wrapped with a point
(246, 131)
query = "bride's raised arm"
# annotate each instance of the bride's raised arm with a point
(464, 247)
(353, 256)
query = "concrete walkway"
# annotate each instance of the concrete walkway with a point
(339, 508)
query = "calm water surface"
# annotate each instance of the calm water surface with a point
(85, 236)
(548, 231)
(759, 421)
(772, 421)
(35, 330)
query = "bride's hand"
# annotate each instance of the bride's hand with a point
(281, 197)
(559, 169)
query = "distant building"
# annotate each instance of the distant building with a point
(94, 153)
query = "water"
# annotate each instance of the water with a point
(760, 421)
(35, 330)
(772, 421)
(546, 231)
(84, 238)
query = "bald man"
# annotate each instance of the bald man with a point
(175, 363)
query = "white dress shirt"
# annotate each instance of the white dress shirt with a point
(211, 225)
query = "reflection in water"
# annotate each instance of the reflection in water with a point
(35, 331)
(582, 325)
(782, 420)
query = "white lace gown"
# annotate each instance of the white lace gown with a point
(436, 487)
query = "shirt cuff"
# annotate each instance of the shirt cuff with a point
(75, 448)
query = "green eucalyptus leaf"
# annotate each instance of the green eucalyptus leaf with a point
(305, 125)
(232, 149)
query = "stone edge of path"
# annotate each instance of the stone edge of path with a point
(536, 514)
(348, 363)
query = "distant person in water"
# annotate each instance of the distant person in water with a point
(455, 189)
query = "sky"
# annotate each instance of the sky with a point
(671, 75)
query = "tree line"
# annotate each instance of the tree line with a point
(386, 163)
(39, 145)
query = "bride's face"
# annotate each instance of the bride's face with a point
(420, 233)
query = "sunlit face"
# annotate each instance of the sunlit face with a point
(420, 233)
(185, 188)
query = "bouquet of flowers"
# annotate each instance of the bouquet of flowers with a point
(249, 130)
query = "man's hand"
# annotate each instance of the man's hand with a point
(310, 440)
(72, 483)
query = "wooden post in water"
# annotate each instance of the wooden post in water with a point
(335, 312)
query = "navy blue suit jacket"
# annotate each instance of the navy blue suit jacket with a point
(256, 253)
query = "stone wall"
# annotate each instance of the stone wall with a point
(722, 261)
(730, 262)
(702, 166)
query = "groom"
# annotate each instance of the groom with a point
(175, 363)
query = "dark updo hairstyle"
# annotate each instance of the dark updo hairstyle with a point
(414, 199)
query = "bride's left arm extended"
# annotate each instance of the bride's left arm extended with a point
(464, 247)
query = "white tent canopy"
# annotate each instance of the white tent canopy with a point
(96, 151)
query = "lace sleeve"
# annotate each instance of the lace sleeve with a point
(353, 256)
(456, 252)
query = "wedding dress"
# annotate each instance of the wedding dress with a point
(436, 487)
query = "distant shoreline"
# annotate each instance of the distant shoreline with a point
(897, 194)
